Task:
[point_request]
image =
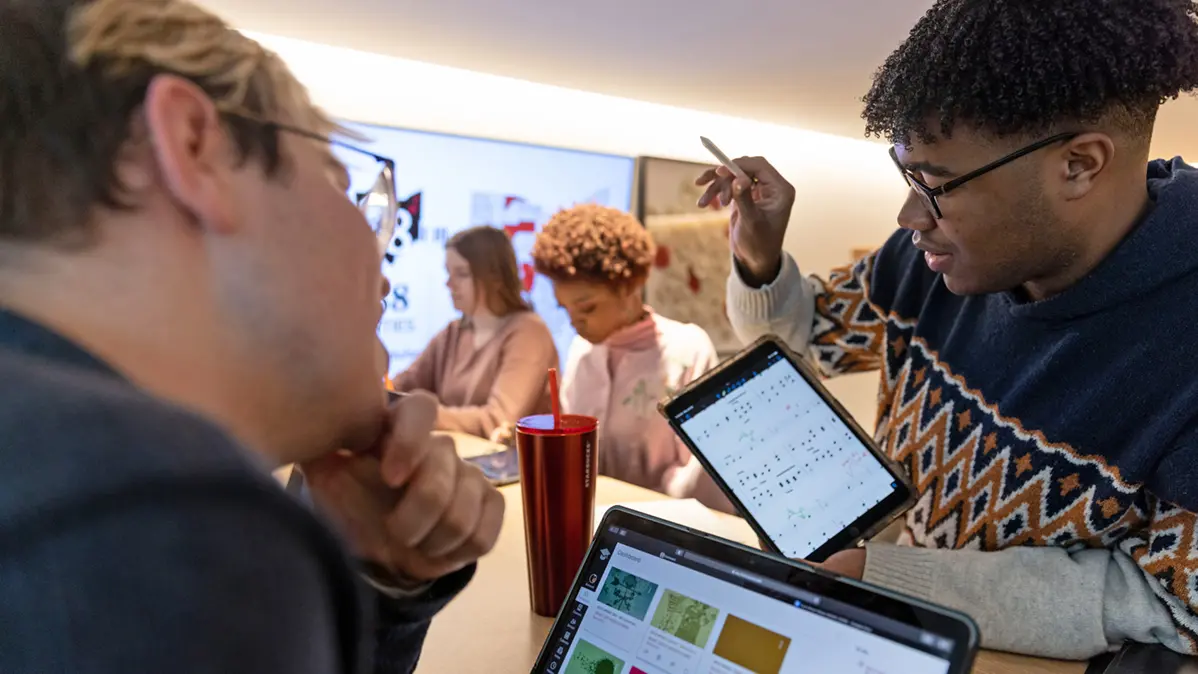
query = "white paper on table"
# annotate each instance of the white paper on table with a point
(690, 513)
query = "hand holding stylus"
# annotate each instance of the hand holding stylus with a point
(761, 201)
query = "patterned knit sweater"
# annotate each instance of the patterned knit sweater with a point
(1054, 444)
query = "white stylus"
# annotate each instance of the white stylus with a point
(723, 159)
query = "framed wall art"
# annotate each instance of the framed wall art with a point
(693, 261)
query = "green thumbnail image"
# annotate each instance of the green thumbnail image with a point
(590, 659)
(688, 619)
(628, 594)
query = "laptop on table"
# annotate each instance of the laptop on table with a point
(654, 597)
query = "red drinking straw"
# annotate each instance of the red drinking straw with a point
(554, 400)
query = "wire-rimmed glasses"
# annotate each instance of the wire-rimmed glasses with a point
(379, 204)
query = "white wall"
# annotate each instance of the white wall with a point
(848, 190)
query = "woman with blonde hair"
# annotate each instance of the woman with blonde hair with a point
(490, 367)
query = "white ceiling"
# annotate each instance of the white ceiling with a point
(803, 63)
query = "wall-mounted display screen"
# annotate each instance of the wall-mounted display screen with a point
(450, 183)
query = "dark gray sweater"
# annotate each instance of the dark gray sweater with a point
(137, 537)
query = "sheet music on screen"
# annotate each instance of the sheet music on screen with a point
(788, 457)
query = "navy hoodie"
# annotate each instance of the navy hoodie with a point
(1069, 422)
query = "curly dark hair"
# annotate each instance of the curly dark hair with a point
(1025, 67)
(593, 243)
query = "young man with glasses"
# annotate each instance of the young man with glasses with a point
(187, 298)
(1033, 319)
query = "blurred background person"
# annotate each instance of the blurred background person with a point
(626, 357)
(490, 367)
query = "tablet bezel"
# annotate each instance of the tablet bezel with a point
(864, 527)
(907, 610)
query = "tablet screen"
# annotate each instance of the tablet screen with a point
(786, 454)
(655, 599)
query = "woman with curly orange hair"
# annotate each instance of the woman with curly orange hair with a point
(626, 357)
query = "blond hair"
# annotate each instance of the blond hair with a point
(122, 37)
(80, 74)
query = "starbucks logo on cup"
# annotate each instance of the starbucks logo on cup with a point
(586, 449)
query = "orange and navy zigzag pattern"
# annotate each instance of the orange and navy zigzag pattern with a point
(849, 332)
(984, 481)
(1167, 550)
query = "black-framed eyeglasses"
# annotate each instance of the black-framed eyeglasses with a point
(931, 195)
(379, 204)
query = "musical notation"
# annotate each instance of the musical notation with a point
(818, 507)
(789, 458)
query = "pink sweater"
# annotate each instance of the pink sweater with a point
(483, 387)
(621, 381)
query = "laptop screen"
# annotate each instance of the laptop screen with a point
(644, 605)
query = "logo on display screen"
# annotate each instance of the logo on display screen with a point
(404, 264)
(397, 301)
(407, 227)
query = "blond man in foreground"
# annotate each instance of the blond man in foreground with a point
(187, 297)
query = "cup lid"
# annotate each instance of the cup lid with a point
(572, 424)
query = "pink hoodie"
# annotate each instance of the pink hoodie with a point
(621, 381)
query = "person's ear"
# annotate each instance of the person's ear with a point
(191, 150)
(1085, 159)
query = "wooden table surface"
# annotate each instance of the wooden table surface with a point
(489, 627)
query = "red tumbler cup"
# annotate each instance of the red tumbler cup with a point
(558, 468)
